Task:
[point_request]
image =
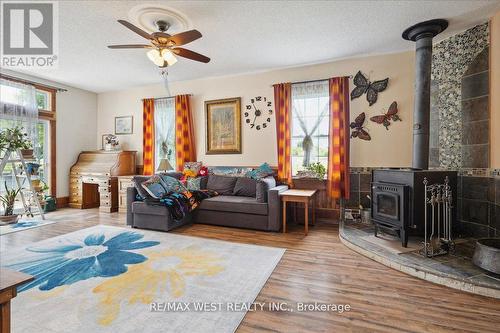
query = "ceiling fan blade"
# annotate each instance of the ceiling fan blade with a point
(185, 37)
(190, 54)
(130, 46)
(136, 29)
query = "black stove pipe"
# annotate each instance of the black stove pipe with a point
(422, 34)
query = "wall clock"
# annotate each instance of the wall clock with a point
(258, 113)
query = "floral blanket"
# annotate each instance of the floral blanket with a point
(181, 203)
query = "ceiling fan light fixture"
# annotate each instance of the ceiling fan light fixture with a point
(169, 57)
(155, 56)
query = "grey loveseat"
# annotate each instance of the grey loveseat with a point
(262, 213)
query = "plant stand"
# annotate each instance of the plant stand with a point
(9, 157)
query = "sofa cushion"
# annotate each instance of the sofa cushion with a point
(245, 187)
(140, 207)
(234, 204)
(263, 185)
(203, 182)
(221, 184)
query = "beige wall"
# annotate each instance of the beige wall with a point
(495, 90)
(76, 112)
(387, 148)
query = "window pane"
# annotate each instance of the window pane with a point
(43, 100)
(310, 124)
(41, 152)
(165, 134)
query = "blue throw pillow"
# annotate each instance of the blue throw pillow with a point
(261, 172)
(154, 187)
(193, 184)
(172, 185)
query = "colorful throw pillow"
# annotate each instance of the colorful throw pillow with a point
(189, 173)
(229, 171)
(137, 180)
(193, 166)
(172, 185)
(203, 171)
(193, 184)
(261, 172)
(154, 187)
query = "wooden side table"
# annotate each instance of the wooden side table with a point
(9, 281)
(306, 197)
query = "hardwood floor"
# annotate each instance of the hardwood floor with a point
(318, 268)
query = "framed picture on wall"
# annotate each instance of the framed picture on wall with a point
(223, 126)
(124, 125)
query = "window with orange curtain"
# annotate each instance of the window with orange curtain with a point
(310, 123)
(164, 122)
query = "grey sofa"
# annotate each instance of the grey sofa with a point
(224, 210)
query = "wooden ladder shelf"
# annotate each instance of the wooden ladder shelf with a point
(10, 158)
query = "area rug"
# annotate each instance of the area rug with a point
(110, 279)
(23, 224)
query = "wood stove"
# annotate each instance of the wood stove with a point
(399, 194)
(390, 208)
(398, 199)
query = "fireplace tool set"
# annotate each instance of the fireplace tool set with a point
(437, 231)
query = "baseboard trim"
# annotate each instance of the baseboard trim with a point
(62, 202)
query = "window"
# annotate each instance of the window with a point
(164, 133)
(310, 124)
(20, 94)
(43, 100)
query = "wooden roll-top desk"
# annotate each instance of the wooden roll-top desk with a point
(93, 178)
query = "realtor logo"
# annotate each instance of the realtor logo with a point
(29, 34)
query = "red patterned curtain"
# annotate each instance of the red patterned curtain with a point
(148, 130)
(283, 106)
(338, 154)
(184, 132)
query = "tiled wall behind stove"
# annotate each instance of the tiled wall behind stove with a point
(478, 206)
(360, 187)
(459, 131)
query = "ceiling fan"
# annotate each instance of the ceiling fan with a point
(164, 47)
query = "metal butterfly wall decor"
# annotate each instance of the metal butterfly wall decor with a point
(358, 128)
(363, 85)
(385, 119)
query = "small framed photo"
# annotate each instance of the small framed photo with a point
(124, 125)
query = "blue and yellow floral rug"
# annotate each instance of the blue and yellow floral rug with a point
(110, 279)
(23, 224)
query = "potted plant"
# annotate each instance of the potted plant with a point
(8, 200)
(12, 139)
(317, 169)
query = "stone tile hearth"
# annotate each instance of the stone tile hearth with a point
(452, 270)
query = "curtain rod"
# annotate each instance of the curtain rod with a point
(317, 80)
(32, 83)
(142, 99)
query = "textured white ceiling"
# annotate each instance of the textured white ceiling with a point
(243, 36)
